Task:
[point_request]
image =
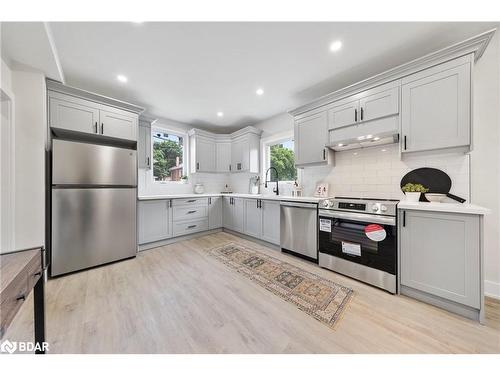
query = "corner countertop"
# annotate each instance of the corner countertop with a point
(461, 208)
(236, 195)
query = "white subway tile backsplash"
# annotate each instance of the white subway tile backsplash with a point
(376, 173)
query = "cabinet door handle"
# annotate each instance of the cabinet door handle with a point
(355, 115)
(95, 127)
(21, 297)
(209, 200)
(361, 113)
(197, 165)
(404, 138)
(147, 162)
(37, 273)
(170, 203)
(102, 127)
(404, 218)
(324, 154)
(229, 167)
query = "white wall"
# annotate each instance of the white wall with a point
(485, 157)
(28, 148)
(30, 133)
(213, 182)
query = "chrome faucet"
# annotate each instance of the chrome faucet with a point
(276, 189)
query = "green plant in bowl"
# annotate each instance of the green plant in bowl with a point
(414, 191)
(414, 188)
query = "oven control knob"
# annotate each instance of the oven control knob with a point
(383, 208)
(375, 208)
(325, 204)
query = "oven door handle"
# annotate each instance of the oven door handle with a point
(364, 218)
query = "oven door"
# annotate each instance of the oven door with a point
(370, 240)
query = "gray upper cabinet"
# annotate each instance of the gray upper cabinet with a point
(343, 114)
(144, 145)
(73, 114)
(271, 221)
(223, 155)
(378, 103)
(205, 160)
(311, 137)
(155, 220)
(436, 107)
(86, 113)
(118, 124)
(253, 218)
(214, 212)
(440, 255)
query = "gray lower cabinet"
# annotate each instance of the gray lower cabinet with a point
(155, 220)
(233, 215)
(271, 221)
(214, 212)
(440, 255)
(253, 218)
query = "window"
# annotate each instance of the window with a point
(282, 157)
(168, 155)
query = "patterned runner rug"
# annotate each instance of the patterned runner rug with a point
(321, 298)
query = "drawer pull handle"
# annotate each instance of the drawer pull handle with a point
(21, 297)
(191, 201)
(191, 226)
(191, 212)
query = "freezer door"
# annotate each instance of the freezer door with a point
(92, 227)
(76, 163)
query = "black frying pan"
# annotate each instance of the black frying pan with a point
(433, 179)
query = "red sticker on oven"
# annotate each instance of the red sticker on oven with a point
(375, 232)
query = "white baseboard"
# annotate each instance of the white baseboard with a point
(492, 289)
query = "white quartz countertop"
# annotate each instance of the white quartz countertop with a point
(236, 195)
(461, 208)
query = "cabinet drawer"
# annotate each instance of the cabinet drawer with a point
(188, 227)
(190, 212)
(34, 271)
(10, 304)
(190, 202)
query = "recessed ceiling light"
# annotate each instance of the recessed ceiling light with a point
(220, 114)
(335, 46)
(376, 138)
(361, 138)
(121, 78)
(355, 153)
(340, 144)
(259, 91)
(384, 150)
(369, 136)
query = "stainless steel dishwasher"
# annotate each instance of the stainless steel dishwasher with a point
(299, 229)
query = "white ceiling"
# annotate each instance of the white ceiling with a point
(30, 45)
(189, 71)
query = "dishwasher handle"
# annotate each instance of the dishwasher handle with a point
(313, 206)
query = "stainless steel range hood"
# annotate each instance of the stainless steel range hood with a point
(367, 134)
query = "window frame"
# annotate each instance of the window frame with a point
(180, 134)
(265, 146)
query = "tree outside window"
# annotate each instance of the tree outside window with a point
(282, 158)
(168, 156)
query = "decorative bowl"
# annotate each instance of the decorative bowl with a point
(435, 197)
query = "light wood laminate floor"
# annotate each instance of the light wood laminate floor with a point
(177, 299)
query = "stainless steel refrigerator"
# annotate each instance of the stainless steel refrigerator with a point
(94, 193)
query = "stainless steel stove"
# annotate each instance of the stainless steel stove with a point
(358, 238)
